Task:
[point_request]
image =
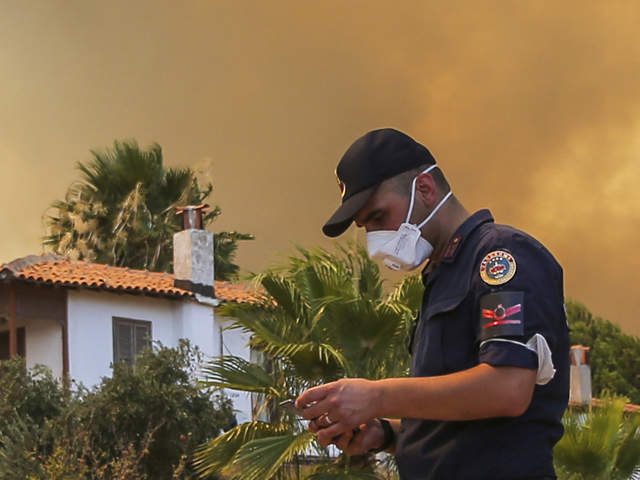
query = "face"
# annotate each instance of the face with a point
(385, 210)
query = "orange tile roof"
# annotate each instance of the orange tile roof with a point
(56, 270)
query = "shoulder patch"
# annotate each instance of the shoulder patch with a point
(497, 268)
(502, 315)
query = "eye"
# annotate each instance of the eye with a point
(378, 218)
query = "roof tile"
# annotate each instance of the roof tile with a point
(56, 270)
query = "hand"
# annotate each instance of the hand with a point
(353, 442)
(340, 407)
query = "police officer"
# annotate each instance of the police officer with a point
(489, 377)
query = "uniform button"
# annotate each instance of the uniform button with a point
(401, 429)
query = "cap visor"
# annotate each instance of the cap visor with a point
(342, 219)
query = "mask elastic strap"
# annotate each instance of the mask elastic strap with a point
(413, 192)
(435, 210)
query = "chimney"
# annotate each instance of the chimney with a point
(580, 390)
(193, 253)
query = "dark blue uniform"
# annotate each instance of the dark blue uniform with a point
(495, 288)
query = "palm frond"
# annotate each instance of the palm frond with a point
(344, 475)
(627, 458)
(589, 444)
(311, 361)
(409, 293)
(215, 455)
(236, 373)
(286, 296)
(261, 459)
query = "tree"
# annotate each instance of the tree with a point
(323, 317)
(122, 212)
(614, 355)
(600, 444)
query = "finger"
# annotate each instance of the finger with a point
(343, 441)
(326, 435)
(322, 439)
(374, 439)
(356, 446)
(323, 421)
(314, 394)
(317, 410)
(313, 426)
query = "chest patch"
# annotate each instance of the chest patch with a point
(502, 315)
(497, 268)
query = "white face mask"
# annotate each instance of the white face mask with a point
(403, 249)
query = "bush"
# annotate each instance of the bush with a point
(34, 394)
(144, 422)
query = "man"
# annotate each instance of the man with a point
(489, 376)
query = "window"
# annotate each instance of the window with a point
(129, 338)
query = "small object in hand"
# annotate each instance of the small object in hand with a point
(290, 406)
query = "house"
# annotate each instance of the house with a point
(78, 317)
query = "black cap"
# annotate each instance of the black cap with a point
(372, 159)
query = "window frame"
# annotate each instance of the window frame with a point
(116, 321)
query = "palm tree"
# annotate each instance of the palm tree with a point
(323, 316)
(600, 444)
(122, 212)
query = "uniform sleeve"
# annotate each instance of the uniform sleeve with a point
(520, 305)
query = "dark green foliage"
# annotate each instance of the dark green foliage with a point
(122, 212)
(34, 394)
(143, 423)
(157, 394)
(614, 355)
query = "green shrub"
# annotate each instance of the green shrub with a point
(143, 422)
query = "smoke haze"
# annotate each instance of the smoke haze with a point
(532, 109)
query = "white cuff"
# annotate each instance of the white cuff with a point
(539, 345)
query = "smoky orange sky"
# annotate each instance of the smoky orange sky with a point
(532, 109)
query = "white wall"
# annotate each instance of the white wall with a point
(234, 342)
(195, 321)
(44, 344)
(90, 316)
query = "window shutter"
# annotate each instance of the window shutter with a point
(124, 342)
(143, 334)
(129, 338)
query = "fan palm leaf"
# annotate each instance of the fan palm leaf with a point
(216, 455)
(237, 374)
(122, 212)
(603, 443)
(348, 475)
(260, 459)
(627, 464)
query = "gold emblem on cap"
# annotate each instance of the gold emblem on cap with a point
(343, 187)
(497, 268)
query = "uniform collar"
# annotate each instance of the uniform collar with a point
(464, 230)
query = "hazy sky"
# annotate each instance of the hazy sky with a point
(531, 107)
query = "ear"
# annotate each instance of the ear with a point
(426, 189)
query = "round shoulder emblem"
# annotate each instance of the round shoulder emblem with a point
(497, 268)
